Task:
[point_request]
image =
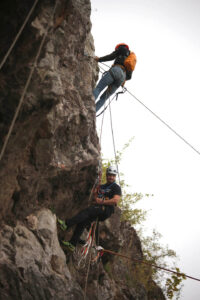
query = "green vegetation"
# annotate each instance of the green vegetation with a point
(108, 269)
(153, 251)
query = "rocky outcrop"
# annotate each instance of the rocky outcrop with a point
(32, 264)
(119, 278)
(51, 160)
(53, 151)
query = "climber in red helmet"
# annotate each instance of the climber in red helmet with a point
(105, 201)
(120, 71)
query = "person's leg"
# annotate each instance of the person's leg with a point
(78, 232)
(82, 216)
(106, 80)
(110, 91)
(90, 213)
(93, 212)
(118, 76)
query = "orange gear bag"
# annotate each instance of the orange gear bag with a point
(130, 62)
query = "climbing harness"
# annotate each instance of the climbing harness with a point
(26, 85)
(18, 34)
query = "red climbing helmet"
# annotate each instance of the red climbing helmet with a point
(122, 44)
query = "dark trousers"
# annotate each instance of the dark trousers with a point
(84, 219)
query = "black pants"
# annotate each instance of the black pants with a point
(85, 218)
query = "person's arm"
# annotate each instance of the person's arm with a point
(108, 57)
(112, 201)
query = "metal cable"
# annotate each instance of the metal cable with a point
(26, 86)
(18, 34)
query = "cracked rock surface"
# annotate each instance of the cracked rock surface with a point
(32, 264)
(53, 151)
(50, 163)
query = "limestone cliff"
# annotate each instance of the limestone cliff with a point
(51, 159)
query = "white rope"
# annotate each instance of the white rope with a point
(26, 87)
(114, 148)
(167, 125)
(18, 34)
(161, 120)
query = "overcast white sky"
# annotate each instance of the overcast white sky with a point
(165, 35)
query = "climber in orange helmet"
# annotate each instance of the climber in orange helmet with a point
(121, 70)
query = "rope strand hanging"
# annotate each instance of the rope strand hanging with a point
(26, 87)
(96, 223)
(18, 34)
(114, 148)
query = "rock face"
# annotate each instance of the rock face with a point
(51, 160)
(53, 151)
(32, 264)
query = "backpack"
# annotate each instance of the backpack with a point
(130, 62)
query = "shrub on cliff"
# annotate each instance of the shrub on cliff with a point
(153, 251)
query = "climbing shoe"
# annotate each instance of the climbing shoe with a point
(69, 246)
(62, 224)
(82, 242)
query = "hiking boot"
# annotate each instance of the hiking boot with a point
(62, 224)
(69, 246)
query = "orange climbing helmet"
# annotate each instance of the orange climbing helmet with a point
(122, 44)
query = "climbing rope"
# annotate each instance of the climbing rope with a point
(26, 86)
(115, 97)
(114, 148)
(90, 257)
(111, 123)
(104, 64)
(160, 119)
(18, 35)
(97, 261)
(148, 263)
(98, 181)
(167, 125)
